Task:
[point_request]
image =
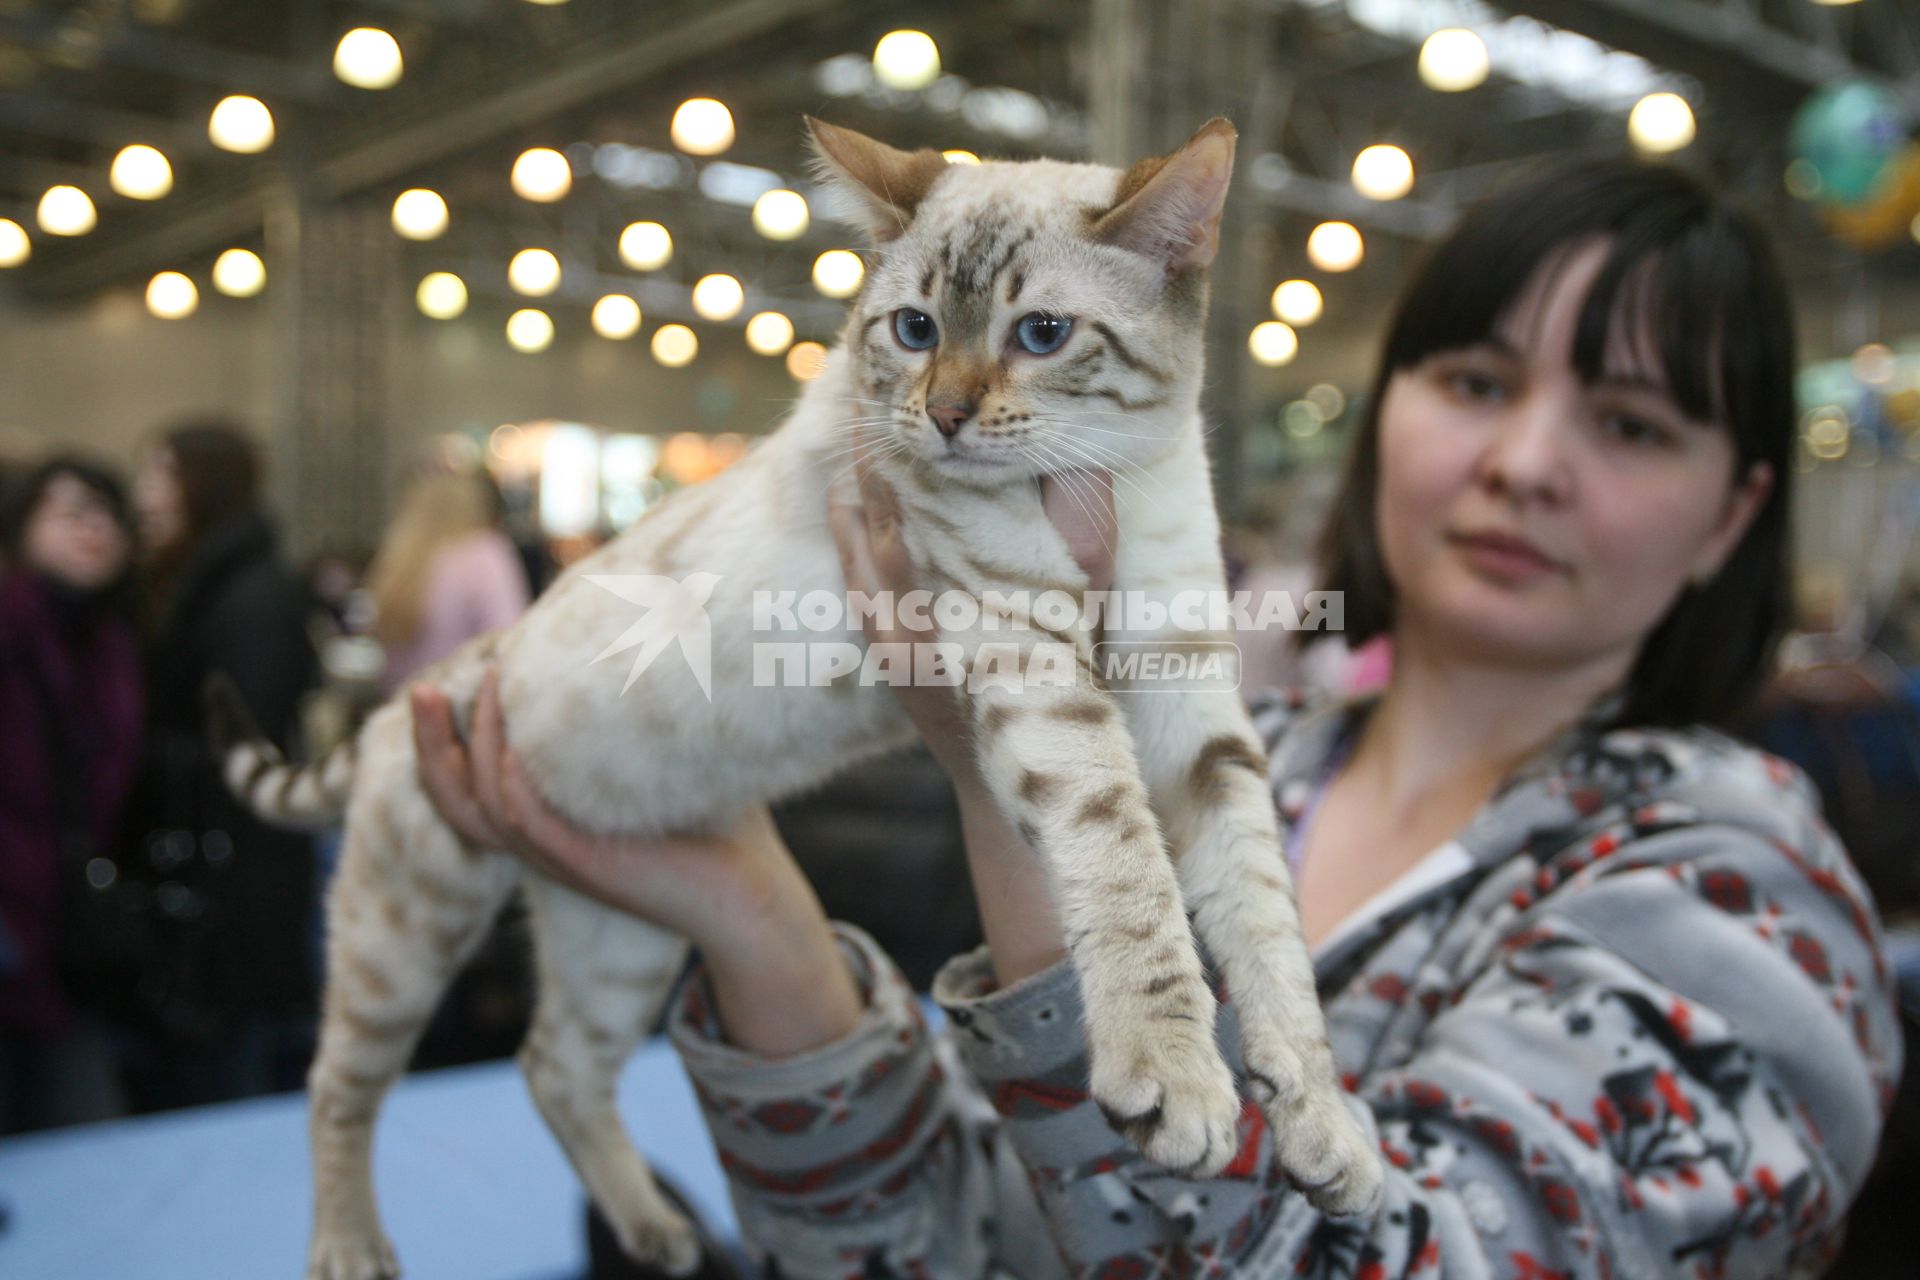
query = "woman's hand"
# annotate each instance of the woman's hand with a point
(1016, 902)
(778, 979)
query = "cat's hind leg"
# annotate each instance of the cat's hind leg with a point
(604, 977)
(406, 909)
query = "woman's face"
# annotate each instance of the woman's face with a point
(72, 537)
(159, 502)
(1528, 517)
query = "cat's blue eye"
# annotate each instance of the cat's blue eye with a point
(915, 329)
(1042, 334)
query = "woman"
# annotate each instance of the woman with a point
(69, 739)
(237, 978)
(1607, 991)
(445, 573)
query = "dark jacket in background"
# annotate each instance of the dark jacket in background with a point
(241, 953)
(78, 661)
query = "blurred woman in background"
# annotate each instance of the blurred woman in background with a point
(445, 573)
(70, 707)
(233, 996)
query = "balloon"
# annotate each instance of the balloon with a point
(1850, 132)
(1888, 213)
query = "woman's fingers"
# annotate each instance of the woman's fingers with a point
(1080, 505)
(489, 740)
(445, 769)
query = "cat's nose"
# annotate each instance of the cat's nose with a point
(949, 418)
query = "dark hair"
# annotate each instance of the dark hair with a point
(24, 497)
(218, 467)
(1703, 281)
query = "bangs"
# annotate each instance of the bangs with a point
(1679, 303)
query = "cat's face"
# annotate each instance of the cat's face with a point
(1025, 318)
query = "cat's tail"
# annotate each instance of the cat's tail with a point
(312, 795)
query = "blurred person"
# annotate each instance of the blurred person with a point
(70, 723)
(233, 998)
(1608, 993)
(445, 572)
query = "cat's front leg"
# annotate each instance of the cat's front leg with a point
(1208, 775)
(1060, 762)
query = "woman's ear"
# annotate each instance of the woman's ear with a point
(1743, 504)
(885, 183)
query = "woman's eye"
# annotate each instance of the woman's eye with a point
(1476, 386)
(1628, 429)
(1042, 334)
(915, 329)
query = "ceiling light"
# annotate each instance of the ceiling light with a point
(171, 296)
(702, 127)
(66, 211)
(239, 273)
(906, 60)
(1298, 302)
(616, 316)
(674, 345)
(1454, 60)
(1273, 343)
(367, 58)
(780, 215)
(1335, 246)
(542, 175)
(140, 172)
(837, 273)
(241, 124)
(1661, 122)
(534, 272)
(646, 246)
(419, 214)
(15, 248)
(718, 297)
(769, 333)
(529, 330)
(807, 361)
(442, 295)
(1383, 172)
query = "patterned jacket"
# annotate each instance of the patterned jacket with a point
(1635, 1021)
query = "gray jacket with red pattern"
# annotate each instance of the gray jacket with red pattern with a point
(1636, 1022)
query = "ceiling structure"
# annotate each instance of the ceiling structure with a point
(1309, 82)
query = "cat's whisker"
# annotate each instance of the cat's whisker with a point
(1106, 459)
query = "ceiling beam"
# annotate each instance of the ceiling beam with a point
(1696, 37)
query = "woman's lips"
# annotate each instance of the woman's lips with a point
(1505, 555)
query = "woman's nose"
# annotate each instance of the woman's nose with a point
(1527, 460)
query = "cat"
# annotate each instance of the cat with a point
(1017, 319)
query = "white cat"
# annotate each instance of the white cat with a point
(1017, 319)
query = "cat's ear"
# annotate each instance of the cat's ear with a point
(887, 184)
(1168, 207)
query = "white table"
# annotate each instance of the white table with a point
(472, 1185)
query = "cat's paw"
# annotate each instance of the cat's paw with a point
(1173, 1097)
(661, 1238)
(352, 1257)
(1317, 1139)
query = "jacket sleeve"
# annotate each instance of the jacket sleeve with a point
(1667, 1056)
(866, 1156)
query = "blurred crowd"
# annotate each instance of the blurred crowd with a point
(160, 947)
